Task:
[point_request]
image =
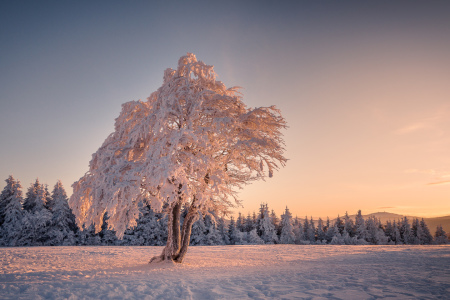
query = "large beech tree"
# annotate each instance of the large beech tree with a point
(192, 144)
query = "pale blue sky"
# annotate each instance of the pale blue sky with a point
(364, 88)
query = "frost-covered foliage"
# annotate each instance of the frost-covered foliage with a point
(287, 230)
(193, 142)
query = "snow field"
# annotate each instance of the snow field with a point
(227, 272)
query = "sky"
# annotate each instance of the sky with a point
(364, 87)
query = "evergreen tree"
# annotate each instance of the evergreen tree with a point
(312, 231)
(375, 235)
(63, 228)
(240, 223)
(223, 232)
(287, 229)
(440, 237)
(320, 231)
(212, 234)
(198, 232)
(298, 231)
(331, 233)
(32, 197)
(37, 218)
(360, 226)
(340, 225)
(11, 213)
(349, 225)
(306, 230)
(268, 231)
(233, 234)
(427, 237)
(275, 222)
(253, 238)
(405, 231)
(107, 236)
(249, 225)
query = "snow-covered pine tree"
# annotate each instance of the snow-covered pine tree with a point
(349, 225)
(249, 225)
(275, 222)
(312, 231)
(193, 143)
(298, 231)
(212, 234)
(375, 235)
(253, 238)
(287, 229)
(48, 198)
(332, 231)
(440, 237)
(12, 190)
(240, 222)
(340, 224)
(397, 237)
(360, 226)
(198, 232)
(405, 231)
(223, 231)
(267, 229)
(31, 196)
(37, 218)
(63, 228)
(11, 213)
(107, 236)
(233, 237)
(320, 233)
(427, 237)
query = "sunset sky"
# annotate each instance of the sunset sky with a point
(364, 87)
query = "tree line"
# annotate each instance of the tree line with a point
(44, 218)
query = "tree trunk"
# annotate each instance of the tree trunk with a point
(172, 248)
(190, 219)
(177, 244)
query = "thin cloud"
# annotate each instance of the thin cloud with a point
(439, 182)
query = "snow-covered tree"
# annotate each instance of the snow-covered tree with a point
(266, 229)
(375, 235)
(212, 234)
(405, 231)
(11, 213)
(349, 225)
(427, 238)
(107, 236)
(287, 229)
(440, 237)
(223, 231)
(193, 143)
(198, 232)
(321, 234)
(249, 224)
(12, 190)
(253, 238)
(63, 227)
(360, 226)
(36, 222)
(36, 196)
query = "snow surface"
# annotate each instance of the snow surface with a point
(227, 272)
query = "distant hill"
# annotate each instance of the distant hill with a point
(431, 222)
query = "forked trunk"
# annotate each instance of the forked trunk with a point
(177, 243)
(190, 219)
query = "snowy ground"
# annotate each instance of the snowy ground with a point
(227, 272)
